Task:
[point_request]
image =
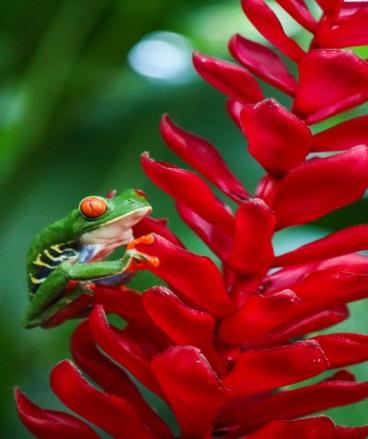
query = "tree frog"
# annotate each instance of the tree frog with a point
(73, 249)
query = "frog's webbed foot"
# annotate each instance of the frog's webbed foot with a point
(72, 304)
(137, 259)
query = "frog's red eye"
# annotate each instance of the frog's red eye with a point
(93, 207)
(140, 193)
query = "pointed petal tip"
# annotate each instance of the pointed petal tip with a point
(20, 398)
(145, 155)
(230, 79)
(199, 59)
(165, 120)
(203, 157)
(167, 125)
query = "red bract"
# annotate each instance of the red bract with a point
(276, 138)
(218, 342)
(348, 88)
(228, 78)
(263, 62)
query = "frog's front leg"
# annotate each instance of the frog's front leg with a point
(45, 303)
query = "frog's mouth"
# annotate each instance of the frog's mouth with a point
(116, 232)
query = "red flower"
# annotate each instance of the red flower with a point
(218, 344)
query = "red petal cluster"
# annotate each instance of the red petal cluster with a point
(218, 343)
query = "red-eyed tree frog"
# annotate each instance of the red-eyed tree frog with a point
(73, 249)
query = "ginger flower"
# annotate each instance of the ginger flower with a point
(219, 344)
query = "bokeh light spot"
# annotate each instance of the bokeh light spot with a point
(164, 56)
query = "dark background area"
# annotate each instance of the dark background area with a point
(81, 95)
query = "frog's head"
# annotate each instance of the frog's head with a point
(108, 221)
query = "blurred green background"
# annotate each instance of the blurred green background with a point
(83, 85)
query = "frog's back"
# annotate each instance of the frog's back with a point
(52, 246)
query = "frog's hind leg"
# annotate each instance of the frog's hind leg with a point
(53, 309)
(48, 293)
(49, 298)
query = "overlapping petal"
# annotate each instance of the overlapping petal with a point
(128, 305)
(263, 62)
(320, 186)
(195, 277)
(267, 188)
(258, 316)
(202, 156)
(50, 423)
(183, 324)
(299, 10)
(230, 79)
(340, 389)
(262, 370)
(234, 108)
(287, 277)
(266, 21)
(299, 324)
(345, 135)
(109, 412)
(252, 251)
(277, 139)
(338, 287)
(218, 239)
(348, 88)
(330, 8)
(311, 428)
(192, 388)
(123, 301)
(350, 240)
(344, 349)
(113, 379)
(346, 31)
(119, 349)
(187, 187)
